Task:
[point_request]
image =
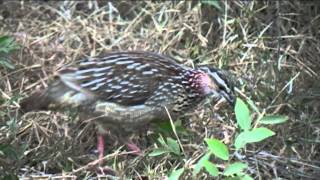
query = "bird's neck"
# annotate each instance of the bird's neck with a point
(199, 82)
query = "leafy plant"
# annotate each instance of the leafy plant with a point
(168, 146)
(244, 121)
(7, 46)
(247, 135)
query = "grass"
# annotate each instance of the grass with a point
(271, 47)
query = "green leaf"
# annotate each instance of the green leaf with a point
(14, 153)
(158, 152)
(273, 119)
(259, 134)
(240, 140)
(255, 135)
(253, 106)
(174, 146)
(242, 115)
(7, 44)
(213, 3)
(166, 128)
(6, 64)
(240, 176)
(200, 164)
(175, 175)
(168, 146)
(162, 141)
(9, 151)
(5, 41)
(234, 168)
(211, 168)
(218, 148)
(246, 177)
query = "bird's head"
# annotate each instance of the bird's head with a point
(216, 84)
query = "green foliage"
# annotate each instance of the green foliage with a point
(169, 146)
(242, 115)
(5, 63)
(211, 168)
(239, 176)
(13, 153)
(9, 177)
(252, 136)
(7, 46)
(207, 165)
(247, 135)
(165, 128)
(175, 175)
(244, 121)
(197, 168)
(218, 148)
(273, 119)
(213, 3)
(235, 168)
(12, 125)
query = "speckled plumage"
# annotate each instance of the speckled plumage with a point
(125, 91)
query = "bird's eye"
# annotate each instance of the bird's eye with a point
(222, 88)
(225, 89)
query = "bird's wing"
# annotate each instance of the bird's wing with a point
(126, 78)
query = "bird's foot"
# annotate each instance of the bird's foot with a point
(104, 170)
(96, 166)
(135, 150)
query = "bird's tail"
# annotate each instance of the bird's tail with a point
(42, 99)
(57, 95)
(39, 100)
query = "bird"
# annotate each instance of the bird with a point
(123, 92)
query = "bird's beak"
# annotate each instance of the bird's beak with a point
(229, 97)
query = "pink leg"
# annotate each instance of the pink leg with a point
(93, 165)
(100, 146)
(134, 148)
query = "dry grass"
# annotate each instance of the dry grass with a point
(272, 47)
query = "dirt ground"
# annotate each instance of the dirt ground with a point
(272, 48)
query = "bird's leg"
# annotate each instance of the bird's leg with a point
(93, 165)
(100, 146)
(134, 148)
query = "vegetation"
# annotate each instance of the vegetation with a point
(271, 47)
